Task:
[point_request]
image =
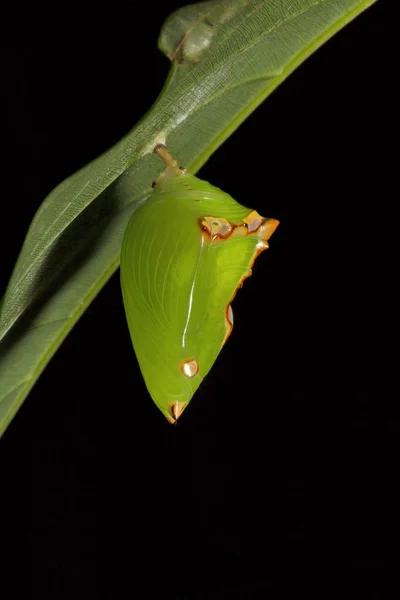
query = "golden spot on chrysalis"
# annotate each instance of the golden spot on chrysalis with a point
(176, 409)
(229, 322)
(253, 221)
(216, 227)
(219, 229)
(189, 368)
(267, 228)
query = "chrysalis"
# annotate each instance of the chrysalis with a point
(185, 253)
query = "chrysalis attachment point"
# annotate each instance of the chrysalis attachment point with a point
(172, 168)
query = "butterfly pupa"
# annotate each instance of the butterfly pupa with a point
(185, 253)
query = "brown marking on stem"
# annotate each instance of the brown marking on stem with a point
(169, 160)
(179, 47)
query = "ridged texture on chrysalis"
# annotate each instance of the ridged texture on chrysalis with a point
(184, 255)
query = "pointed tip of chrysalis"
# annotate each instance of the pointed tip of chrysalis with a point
(175, 411)
(266, 229)
(270, 226)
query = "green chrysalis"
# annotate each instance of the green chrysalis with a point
(185, 253)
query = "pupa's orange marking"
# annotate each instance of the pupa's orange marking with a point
(218, 229)
(189, 368)
(175, 411)
(229, 322)
(253, 221)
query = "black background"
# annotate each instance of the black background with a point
(280, 476)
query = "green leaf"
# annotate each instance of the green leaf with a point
(227, 57)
